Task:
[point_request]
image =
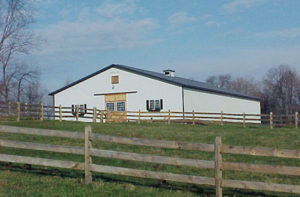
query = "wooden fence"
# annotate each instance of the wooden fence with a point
(218, 165)
(17, 111)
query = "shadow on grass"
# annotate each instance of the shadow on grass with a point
(75, 174)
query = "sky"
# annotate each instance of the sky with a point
(196, 38)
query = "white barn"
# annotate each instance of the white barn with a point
(124, 88)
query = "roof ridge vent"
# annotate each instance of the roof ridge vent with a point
(169, 72)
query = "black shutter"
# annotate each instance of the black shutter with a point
(147, 105)
(72, 108)
(85, 108)
(161, 104)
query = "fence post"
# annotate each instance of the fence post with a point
(41, 112)
(94, 114)
(60, 113)
(9, 108)
(244, 119)
(101, 116)
(218, 166)
(139, 120)
(87, 155)
(193, 117)
(18, 112)
(222, 118)
(271, 120)
(296, 119)
(77, 112)
(169, 117)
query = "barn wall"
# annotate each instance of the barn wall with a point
(147, 88)
(201, 101)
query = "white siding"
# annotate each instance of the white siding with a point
(147, 88)
(201, 101)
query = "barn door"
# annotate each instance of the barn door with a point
(116, 107)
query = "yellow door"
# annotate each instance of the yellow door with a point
(116, 107)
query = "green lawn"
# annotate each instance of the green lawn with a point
(20, 180)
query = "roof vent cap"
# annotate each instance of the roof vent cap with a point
(169, 73)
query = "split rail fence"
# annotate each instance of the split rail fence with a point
(18, 111)
(218, 182)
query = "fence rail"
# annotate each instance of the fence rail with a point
(18, 111)
(218, 164)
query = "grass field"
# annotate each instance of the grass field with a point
(22, 180)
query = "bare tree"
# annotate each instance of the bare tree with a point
(8, 74)
(15, 17)
(280, 88)
(221, 81)
(246, 86)
(24, 77)
(33, 94)
(298, 91)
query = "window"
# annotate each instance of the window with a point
(110, 106)
(154, 105)
(120, 106)
(157, 105)
(116, 106)
(152, 108)
(81, 110)
(114, 79)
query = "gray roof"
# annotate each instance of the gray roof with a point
(188, 83)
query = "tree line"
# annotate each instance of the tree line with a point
(278, 90)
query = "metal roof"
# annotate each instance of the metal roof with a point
(187, 83)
